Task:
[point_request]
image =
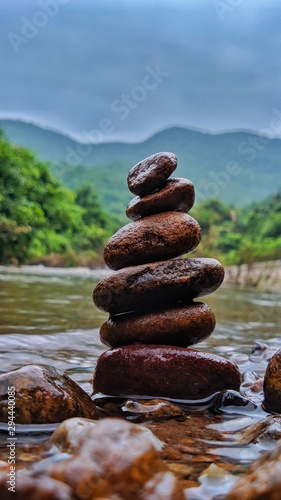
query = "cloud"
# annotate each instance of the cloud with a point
(222, 73)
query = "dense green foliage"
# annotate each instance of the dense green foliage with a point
(240, 236)
(39, 216)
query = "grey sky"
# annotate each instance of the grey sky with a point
(88, 65)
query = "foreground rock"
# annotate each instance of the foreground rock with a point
(163, 371)
(30, 487)
(157, 237)
(177, 194)
(42, 394)
(151, 173)
(112, 459)
(179, 326)
(154, 285)
(272, 384)
(263, 481)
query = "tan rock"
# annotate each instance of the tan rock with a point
(42, 394)
(272, 384)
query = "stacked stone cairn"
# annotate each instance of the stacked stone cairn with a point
(152, 316)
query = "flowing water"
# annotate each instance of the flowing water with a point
(47, 316)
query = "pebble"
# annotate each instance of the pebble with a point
(43, 394)
(178, 326)
(272, 384)
(151, 173)
(154, 238)
(115, 459)
(177, 194)
(262, 481)
(158, 284)
(163, 371)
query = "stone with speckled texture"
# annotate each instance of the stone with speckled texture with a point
(163, 371)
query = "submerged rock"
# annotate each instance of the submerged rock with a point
(263, 481)
(163, 371)
(151, 173)
(30, 487)
(265, 432)
(177, 194)
(42, 394)
(116, 459)
(179, 326)
(154, 238)
(272, 384)
(158, 284)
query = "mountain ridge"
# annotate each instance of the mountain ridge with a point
(237, 167)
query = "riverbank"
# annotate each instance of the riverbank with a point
(263, 276)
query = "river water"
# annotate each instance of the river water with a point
(48, 316)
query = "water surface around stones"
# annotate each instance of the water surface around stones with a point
(151, 173)
(179, 326)
(157, 237)
(177, 194)
(43, 394)
(158, 284)
(163, 371)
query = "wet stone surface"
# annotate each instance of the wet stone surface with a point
(180, 326)
(154, 285)
(151, 173)
(154, 238)
(177, 194)
(142, 370)
(272, 384)
(43, 394)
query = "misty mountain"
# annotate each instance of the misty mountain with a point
(236, 167)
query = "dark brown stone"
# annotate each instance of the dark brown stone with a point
(177, 194)
(43, 394)
(158, 284)
(163, 371)
(272, 384)
(179, 326)
(153, 238)
(151, 173)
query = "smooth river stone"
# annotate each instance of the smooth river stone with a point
(157, 237)
(151, 173)
(158, 284)
(179, 326)
(163, 371)
(272, 384)
(42, 395)
(177, 194)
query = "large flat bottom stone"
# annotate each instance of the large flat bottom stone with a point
(163, 371)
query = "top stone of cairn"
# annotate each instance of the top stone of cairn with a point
(151, 173)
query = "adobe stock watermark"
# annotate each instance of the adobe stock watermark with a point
(120, 108)
(30, 28)
(224, 7)
(11, 439)
(218, 181)
(255, 144)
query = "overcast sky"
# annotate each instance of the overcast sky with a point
(128, 68)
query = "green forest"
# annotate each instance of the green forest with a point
(43, 221)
